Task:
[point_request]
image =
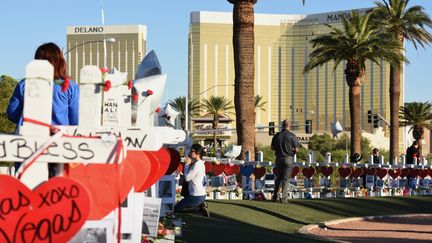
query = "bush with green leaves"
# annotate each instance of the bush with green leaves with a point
(7, 86)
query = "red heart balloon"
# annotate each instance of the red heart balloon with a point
(414, 172)
(232, 169)
(164, 158)
(381, 173)
(180, 168)
(404, 172)
(356, 172)
(423, 173)
(208, 167)
(107, 184)
(295, 171)
(344, 172)
(326, 170)
(430, 172)
(394, 173)
(156, 171)
(174, 161)
(142, 167)
(217, 169)
(276, 171)
(308, 172)
(53, 212)
(259, 172)
(370, 171)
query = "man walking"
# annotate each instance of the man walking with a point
(285, 145)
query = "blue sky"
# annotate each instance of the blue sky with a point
(27, 24)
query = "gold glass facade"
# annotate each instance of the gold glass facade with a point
(85, 47)
(281, 51)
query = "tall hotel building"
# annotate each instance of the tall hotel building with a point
(85, 47)
(281, 51)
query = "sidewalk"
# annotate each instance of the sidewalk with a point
(394, 228)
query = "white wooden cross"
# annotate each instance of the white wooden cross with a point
(115, 112)
(94, 120)
(38, 107)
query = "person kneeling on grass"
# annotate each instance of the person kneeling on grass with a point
(194, 174)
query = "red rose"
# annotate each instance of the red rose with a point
(149, 92)
(107, 86)
(130, 84)
(157, 110)
(135, 98)
(104, 70)
(65, 84)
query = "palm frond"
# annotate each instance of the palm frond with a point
(356, 42)
(259, 103)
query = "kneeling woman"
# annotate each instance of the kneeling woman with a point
(194, 173)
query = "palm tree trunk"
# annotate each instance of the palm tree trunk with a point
(394, 90)
(354, 99)
(354, 79)
(418, 135)
(215, 126)
(244, 64)
(182, 122)
(420, 149)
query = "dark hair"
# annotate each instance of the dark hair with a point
(415, 143)
(199, 149)
(52, 53)
(285, 124)
(375, 150)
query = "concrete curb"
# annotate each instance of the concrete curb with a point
(305, 229)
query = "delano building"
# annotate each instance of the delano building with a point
(281, 51)
(85, 47)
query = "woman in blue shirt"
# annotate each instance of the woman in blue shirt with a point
(65, 92)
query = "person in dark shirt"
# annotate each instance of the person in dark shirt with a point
(376, 156)
(412, 152)
(285, 145)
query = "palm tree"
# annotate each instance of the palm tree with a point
(259, 103)
(216, 106)
(393, 17)
(418, 115)
(178, 104)
(357, 42)
(244, 67)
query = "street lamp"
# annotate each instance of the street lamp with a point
(107, 40)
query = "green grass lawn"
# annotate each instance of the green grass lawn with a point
(264, 221)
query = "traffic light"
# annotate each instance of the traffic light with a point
(308, 126)
(271, 128)
(375, 120)
(369, 116)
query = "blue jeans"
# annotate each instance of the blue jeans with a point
(188, 202)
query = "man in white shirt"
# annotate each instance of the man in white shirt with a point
(194, 173)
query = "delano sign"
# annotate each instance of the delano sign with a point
(93, 29)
